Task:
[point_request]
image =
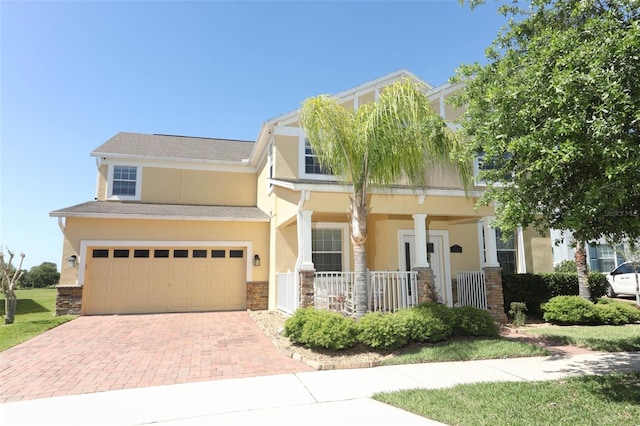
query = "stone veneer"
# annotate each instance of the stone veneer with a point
(426, 290)
(69, 300)
(258, 295)
(495, 297)
(307, 292)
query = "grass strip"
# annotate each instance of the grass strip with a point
(579, 400)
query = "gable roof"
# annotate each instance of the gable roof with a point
(171, 147)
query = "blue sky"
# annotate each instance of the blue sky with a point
(74, 73)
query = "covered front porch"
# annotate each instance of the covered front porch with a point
(412, 259)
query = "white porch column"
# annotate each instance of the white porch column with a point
(490, 246)
(304, 239)
(420, 231)
(522, 261)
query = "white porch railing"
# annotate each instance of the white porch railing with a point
(390, 291)
(288, 299)
(471, 289)
(387, 291)
(334, 291)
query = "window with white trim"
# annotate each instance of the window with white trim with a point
(311, 162)
(506, 252)
(603, 258)
(327, 249)
(124, 182)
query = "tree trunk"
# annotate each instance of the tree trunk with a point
(358, 239)
(10, 302)
(581, 267)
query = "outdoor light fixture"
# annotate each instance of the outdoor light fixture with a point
(72, 261)
(256, 260)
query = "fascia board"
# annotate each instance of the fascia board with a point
(154, 217)
(171, 163)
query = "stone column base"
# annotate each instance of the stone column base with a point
(258, 295)
(495, 297)
(307, 287)
(69, 300)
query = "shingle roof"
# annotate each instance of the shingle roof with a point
(126, 144)
(130, 210)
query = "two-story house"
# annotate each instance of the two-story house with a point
(193, 224)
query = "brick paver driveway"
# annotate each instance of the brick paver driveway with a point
(101, 353)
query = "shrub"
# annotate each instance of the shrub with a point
(329, 330)
(527, 288)
(570, 310)
(293, 326)
(566, 266)
(561, 284)
(427, 322)
(471, 321)
(517, 312)
(629, 312)
(383, 330)
(597, 283)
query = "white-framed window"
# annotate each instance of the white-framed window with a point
(603, 258)
(480, 164)
(124, 182)
(309, 165)
(329, 248)
(505, 250)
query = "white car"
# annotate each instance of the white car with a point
(622, 280)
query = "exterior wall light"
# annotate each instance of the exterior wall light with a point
(256, 260)
(72, 261)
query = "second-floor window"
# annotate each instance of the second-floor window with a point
(125, 182)
(311, 163)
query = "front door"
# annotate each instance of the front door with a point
(436, 256)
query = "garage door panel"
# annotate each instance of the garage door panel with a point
(146, 283)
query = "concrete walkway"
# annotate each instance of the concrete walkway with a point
(315, 397)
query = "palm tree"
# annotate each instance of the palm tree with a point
(379, 144)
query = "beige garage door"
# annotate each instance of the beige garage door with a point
(164, 279)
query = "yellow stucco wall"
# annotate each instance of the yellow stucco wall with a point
(166, 231)
(177, 186)
(286, 159)
(539, 251)
(102, 182)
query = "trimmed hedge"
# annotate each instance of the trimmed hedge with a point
(574, 310)
(429, 322)
(537, 289)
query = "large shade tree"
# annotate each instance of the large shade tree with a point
(555, 115)
(392, 140)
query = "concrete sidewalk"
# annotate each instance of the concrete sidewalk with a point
(317, 397)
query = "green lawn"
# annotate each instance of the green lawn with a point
(580, 400)
(609, 338)
(34, 315)
(465, 350)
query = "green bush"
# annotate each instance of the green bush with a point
(570, 310)
(565, 266)
(293, 326)
(610, 315)
(597, 283)
(627, 311)
(517, 312)
(526, 288)
(471, 321)
(561, 284)
(383, 330)
(329, 330)
(427, 322)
